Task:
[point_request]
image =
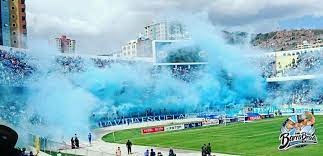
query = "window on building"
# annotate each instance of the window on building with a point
(22, 2)
(13, 16)
(13, 33)
(23, 9)
(13, 8)
(14, 25)
(23, 18)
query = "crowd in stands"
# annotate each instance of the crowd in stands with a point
(257, 102)
(71, 64)
(305, 92)
(10, 112)
(302, 92)
(102, 63)
(266, 64)
(12, 104)
(78, 64)
(17, 65)
(186, 73)
(14, 66)
(305, 64)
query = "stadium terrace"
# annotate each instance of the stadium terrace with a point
(291, 78)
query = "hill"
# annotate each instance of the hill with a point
(286, 40)
(277, 40)
(238, 37)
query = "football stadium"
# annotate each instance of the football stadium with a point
(178, 89)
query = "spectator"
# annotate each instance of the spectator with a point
(72, 143)
(77, 142)
(208, 149)
(146, 153)
(129, 144)
(312, 111)
(23, 152)
(59, 153)
(90, 138)
(31, 153)
(204, 150)
(171, 152)
(159, 154)
(118, 152)
(152, 152)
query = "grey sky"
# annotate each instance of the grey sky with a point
(102, 26)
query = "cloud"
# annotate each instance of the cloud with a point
(102, 26)
(243, 12)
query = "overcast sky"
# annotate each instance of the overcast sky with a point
(102, 26)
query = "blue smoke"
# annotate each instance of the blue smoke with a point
(59, 103)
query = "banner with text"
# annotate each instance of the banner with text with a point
(102, 122)
(174, 127)
(152, 130)
(193, 125)
(209, 122)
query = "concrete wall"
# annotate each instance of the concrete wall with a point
(14, 23)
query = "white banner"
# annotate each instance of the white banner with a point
(209, 122)
(174, 127)
(241, 118)
(227, 120)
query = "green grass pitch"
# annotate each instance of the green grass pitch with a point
(254, 138)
